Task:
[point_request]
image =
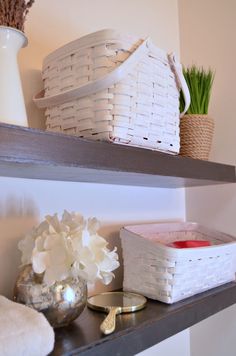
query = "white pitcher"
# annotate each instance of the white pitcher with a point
(12, 106)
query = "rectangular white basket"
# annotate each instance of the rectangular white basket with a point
(169, 274)
(114, 87)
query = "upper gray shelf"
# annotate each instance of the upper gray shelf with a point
(30, 153)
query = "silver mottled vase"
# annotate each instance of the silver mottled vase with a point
(61, 303)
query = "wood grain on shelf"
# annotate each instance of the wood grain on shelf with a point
(138, 331)
(30, 153)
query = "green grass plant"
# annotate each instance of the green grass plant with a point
(199, 82)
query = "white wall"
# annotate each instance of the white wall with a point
(50, 25)
(24, 202)
(207, 31)
(214, 336)
(177, 345)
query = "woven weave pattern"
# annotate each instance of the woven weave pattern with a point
(196, 134)
(140, 110)
(159, 273)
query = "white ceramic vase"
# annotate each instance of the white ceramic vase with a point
(12, 106)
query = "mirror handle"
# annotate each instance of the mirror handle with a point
(109, 323)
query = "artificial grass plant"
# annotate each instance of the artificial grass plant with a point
(199, 82)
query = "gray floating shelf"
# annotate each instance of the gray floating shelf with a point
(138, 331)
(30, 153)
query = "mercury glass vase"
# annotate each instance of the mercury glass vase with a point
(61, 303)
(12, 106)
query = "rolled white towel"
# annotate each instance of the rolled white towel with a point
(23, 331)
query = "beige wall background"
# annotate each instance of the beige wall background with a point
(207, 29)
(207, 32)
(50, 25)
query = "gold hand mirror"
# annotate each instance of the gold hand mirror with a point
(115, 303)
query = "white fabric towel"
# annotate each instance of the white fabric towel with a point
(23, 331)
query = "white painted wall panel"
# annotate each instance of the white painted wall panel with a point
(177, 345)
(207, 31)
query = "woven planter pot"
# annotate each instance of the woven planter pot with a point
(196, 134)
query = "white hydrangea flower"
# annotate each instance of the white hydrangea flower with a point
(93, 259)
(69, 247)
(74, 221)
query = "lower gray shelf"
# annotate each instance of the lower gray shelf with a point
(138, 331)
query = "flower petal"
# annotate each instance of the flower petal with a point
(93, 225)
(39, 261)
(107, 277)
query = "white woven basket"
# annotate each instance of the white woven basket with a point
(170, 274)
(114, 87)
